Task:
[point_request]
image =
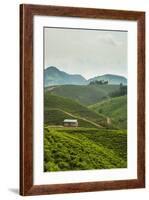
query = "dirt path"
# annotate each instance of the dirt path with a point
(50, 88)
(74, 116)
(108, 120)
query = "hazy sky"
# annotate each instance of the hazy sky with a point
(86, 52)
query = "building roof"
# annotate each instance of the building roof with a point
(70, 120)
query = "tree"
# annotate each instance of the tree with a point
(120, 92)
(98, 82)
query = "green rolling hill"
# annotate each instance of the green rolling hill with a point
(84, 149)
(100, 140)
(84, 94)
(114, 108)
(57, 108)
(55, 117)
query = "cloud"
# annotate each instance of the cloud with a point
(109, 40)
(86, 52)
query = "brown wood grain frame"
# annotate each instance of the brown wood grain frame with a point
(27, 12)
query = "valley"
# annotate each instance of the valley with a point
(100, 139)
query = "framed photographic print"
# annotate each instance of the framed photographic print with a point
(82, 99)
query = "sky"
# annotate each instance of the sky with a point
(87, 52)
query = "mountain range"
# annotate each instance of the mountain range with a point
(112, 79)
(54, 76)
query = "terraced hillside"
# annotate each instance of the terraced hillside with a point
(57, 108)
(84, 148)
(84, 94)
(100, 140)
(114, 108)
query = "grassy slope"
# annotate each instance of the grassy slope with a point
(57, 108)
(56, 117)
(84, 148)
(85, 94)
(115, 108)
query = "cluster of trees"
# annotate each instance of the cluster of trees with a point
(96, 82)
(120, 92)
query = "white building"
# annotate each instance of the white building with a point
(70, 122)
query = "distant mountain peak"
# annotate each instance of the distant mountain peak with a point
(113, 75)
(116, 75)
(52, 68)
(111, 78)
(54, 76)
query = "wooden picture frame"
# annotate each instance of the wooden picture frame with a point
(27, 12)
